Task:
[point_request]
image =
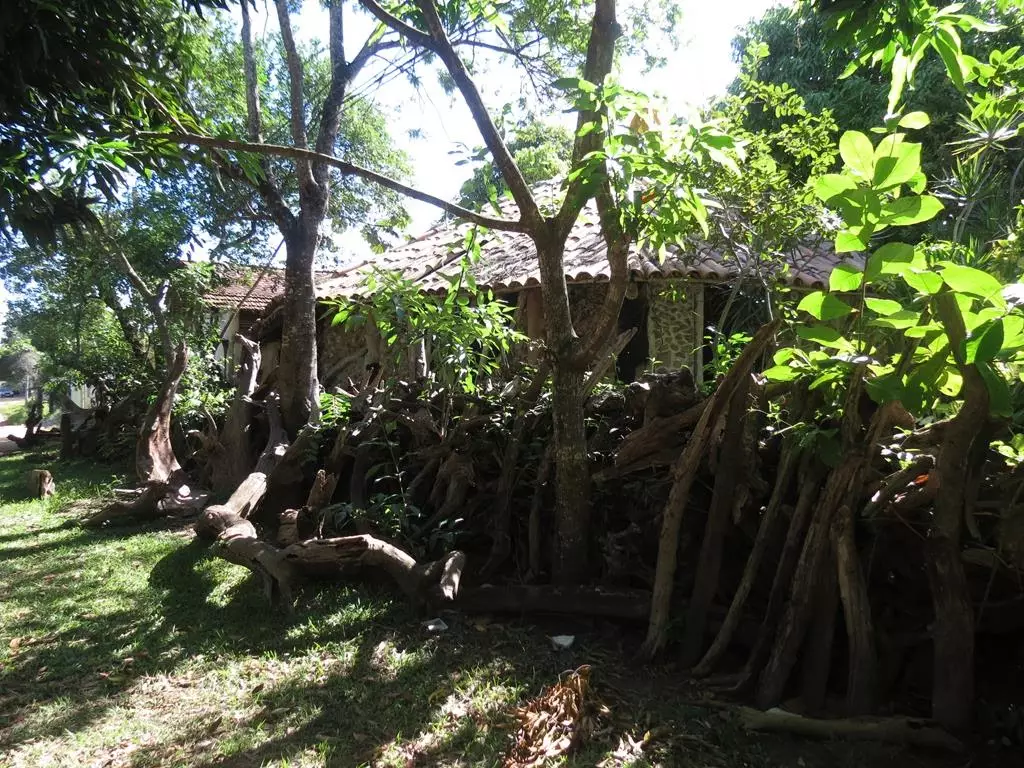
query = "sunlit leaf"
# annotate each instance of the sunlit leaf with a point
(915, 120)
(858, 153)
(883, 306)
(914, 209)
(985, 343)
(845, 277)
(824, 306)
(970, 280)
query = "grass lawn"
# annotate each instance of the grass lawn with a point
(135, 647)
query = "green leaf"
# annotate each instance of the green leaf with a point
(970, 280)
(858, 153)
(900, 67)
(848, 241)
(948, 48)
(824, 335)
(831, 184)
(914, 209)
(883, 306)
(781, 373)
(999, 402)
(898, 166)
(915, 120)
(923, 281)
(885, 389)
(845, 277)
(905, 318)
(824, 306)
(890, 259)
(984, 343)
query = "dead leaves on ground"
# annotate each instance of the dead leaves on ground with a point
(556, 722)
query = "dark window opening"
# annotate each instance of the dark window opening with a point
(633, 359)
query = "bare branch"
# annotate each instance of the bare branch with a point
(347, 168)
(503, 159)
(298, 119)
(330, 119)
(408, 31)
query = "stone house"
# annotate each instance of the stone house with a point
(669, 302)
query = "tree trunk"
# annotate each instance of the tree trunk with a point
(155, 461)
(297, 374)
(953, 632)
(843, 481)
(217, 518)
(810, 488)
(860, 633)
(684, 471)
(709, 562)
(816, 666)
(766, 533)
(572, 475)
(235, 452)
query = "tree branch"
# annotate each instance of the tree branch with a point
(347, 168)
(330, 118)
(408, 31)
(298, 118)
(503, 159)
(604, 32)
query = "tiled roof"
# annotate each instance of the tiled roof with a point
(508, 261)
(245, 288)
(253, 288)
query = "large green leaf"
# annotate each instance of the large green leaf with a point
(914, 120)
(849, 241)
(899, 164)
(845, 277)
(889, 254)
(904, 211)
(999, 402)
(782, 373)
(905, 318)
(984, 344)
(831, 184)
(970, 280)
(883, 306)
(858, 153)
(923, 281)
(824, 306)
(824, 335)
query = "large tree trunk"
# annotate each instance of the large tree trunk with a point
(297, 374)
(155, 461)
(953, 671)
(853, 587)
(234, 451)
(572, 475)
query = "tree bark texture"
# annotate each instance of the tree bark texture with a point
(816, 665)
(155, 461)
(766, 533)
(860, 632)
(684, 472)
(953, 633)
(728, 479)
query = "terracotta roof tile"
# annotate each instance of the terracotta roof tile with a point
(508, 261)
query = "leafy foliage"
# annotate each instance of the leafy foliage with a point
(75, 78)
(466, 333)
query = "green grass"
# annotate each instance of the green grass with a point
(132, 646)
(13, 410)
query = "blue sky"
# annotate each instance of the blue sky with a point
(699, 68)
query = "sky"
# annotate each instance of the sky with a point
(699, 68)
